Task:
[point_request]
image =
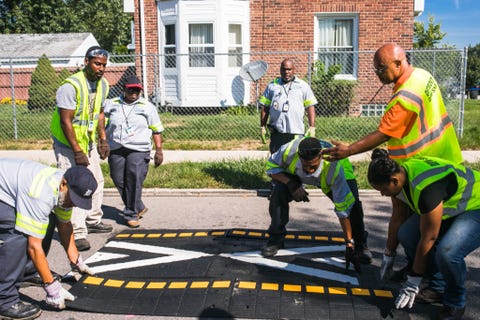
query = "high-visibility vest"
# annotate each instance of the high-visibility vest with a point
(423, 171)
(83, 114)
(432, 134)
(329, 173)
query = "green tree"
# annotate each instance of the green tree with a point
(43, 86)
(105, 19)
(64, 74)
(426, 37)
(473, 66)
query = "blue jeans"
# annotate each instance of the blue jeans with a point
(447, 271)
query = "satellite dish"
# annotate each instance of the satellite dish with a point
(254, 70)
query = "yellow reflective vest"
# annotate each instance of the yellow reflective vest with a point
(85, 114)
(423, 171)
(433, 133)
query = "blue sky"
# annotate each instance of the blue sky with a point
(458, 18)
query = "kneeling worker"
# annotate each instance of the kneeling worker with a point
(300, 162)
(29, 191)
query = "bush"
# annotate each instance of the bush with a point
(334, 96)
(43, 86)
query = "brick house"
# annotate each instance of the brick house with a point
(206, 35)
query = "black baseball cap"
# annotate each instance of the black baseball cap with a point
(81, 186)
(133, 82)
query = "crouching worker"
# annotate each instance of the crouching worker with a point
(300, 162)
(29, 191)
(443, 231)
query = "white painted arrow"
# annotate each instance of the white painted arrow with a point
(173, 255)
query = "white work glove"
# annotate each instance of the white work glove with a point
(310, 132)
(56, 295)
(263, 134)
(80, 268)
(386, 269)
(407, 294)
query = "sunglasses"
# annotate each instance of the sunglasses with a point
(97, 52)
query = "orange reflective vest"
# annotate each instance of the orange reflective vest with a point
(433, 133)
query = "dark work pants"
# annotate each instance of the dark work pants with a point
(279, 213)
(13, 257)
(128, 169)
(278, 139)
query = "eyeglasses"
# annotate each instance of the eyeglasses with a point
(97, 52)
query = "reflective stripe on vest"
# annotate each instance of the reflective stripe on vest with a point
(432, 133)
(31, 225)
(35, 191)
(424, 171)
(80, 120)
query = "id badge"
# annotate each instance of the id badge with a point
(90, 126)
(130, 131)
(285, 107)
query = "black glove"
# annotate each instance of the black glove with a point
(351, 257)
(297, 191)
(81, 158)
(158, 158)
(103, 149)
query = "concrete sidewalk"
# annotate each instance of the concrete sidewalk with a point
(173, 156)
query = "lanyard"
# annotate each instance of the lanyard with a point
(126, 115)
(289, 88)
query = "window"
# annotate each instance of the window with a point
(235, 58)
(337, 42)
(201, 48)
(170, 47)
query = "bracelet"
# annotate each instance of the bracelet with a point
(350, 241)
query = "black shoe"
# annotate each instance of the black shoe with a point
(21, 311)
(271, 249)
(82, 244)
(100, 228)
(451, 313)
(428, 296)
(35, 280)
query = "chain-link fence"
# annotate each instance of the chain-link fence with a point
(204, 103)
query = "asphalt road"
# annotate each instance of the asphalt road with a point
(215, 209)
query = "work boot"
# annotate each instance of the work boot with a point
(82, 244)
(428, 296)
(99, 228)
(21, 311)
(362, 252)
(451, 313)
(272, 248)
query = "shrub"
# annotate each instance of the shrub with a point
(43, 86)
(8, 100)
(334, 96)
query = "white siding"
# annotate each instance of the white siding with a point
(216, 86)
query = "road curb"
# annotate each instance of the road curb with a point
(160, 192)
